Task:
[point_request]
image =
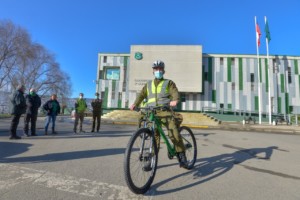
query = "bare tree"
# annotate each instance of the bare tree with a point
(30, 64)
(12, 40)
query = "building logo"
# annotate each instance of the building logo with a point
(138, 56)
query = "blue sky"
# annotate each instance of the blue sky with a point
(77, 30)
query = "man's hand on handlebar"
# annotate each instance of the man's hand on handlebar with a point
(173, 103)
(132, 107)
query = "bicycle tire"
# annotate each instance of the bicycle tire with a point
(137, 176)
(190, 146)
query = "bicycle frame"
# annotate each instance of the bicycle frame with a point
(157, 122)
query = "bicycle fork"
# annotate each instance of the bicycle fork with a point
(145, 155)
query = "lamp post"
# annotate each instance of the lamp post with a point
(97, 82)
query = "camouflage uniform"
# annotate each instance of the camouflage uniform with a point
(166, 116)
(97, 111)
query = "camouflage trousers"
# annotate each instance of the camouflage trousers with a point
(169, 122)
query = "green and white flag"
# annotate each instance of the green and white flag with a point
(267, 31)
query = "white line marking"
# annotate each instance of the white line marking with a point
(11, 176)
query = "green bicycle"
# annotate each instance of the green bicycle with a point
(140, 161)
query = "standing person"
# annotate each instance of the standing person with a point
(18, 107)
(33, 102)
(53, 108)
(80, 107)
(97, 111)
(159, 92)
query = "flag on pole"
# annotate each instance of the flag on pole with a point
(267, 31)
(258, 34)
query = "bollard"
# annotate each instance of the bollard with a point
(244, 122)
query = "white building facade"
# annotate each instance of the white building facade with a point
(227, 82)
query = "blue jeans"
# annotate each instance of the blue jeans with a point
(49, 119)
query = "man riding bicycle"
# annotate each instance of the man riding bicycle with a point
(161, 92)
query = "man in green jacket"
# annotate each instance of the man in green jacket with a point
(80, 107)
(159, 92)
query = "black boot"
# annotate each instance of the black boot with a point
(53, 131)
(182, 160)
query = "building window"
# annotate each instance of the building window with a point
(221, 61)
(182, 97)
(274, 66)
(100, 74)
(291, 108)
(205, 76)
(233, 86)
(289, 75)
(252, 86)
(232, 61)
(252, 81)
(252, 77)
(104, 59)
(112, 73)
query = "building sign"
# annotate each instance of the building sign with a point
(138, 56)
(140, 82)
(183, 65)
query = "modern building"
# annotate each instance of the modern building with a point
(223, 82)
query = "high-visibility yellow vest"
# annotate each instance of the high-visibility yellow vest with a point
(158, 96)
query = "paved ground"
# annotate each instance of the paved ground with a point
(231, 165)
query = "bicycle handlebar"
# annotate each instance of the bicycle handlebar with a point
(152, 108)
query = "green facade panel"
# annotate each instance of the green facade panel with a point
(256, 103)
(241, 86)
(119, 103)
(105, 100)
(229, 106)
(282, 82)
(260, 74)
(296, 66)
(213, 96)
(267, 75)
(287, 110)
(279, 105)
(229, 69)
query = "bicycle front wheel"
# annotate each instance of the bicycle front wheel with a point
(140, 161)
(190, 144)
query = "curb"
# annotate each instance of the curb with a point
(274, 130)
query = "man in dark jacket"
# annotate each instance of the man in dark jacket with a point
(52, 108)
(33, 102)
(18, 107)
(97, 110)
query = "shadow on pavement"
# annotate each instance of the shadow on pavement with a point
(209, 168)
(9, 149)
(53, 157)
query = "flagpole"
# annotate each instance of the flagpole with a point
(269, 75)
(257, 54)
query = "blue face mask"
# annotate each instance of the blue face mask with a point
(158, 74)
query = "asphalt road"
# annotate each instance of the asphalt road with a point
(230, 165)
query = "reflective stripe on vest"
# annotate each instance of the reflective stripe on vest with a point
(159, 95)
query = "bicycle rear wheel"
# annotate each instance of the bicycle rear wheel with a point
(140, 161)
(190, 144)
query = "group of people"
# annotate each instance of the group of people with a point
(80, 108)
(30, 104)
